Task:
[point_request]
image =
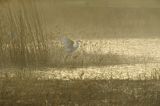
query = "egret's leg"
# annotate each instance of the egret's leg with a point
(66, 57)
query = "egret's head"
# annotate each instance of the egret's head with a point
(78, 41)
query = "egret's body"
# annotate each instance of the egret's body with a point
(69, 45)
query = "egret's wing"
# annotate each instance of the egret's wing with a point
(68, 43)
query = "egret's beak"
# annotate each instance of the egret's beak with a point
(80, 41)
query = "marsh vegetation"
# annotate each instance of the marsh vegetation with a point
(111, 66)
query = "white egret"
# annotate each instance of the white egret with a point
(69, 45)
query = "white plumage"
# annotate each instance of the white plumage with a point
(69, 45)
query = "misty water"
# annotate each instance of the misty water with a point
(146, 49)
(129, 47)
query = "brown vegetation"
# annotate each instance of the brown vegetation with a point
(22, 40)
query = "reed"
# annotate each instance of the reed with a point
(22, 40)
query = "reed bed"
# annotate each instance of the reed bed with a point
(22, 39)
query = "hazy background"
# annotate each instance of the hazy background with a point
(102, 18)
(24, 23)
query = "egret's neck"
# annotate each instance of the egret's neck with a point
(76, 45)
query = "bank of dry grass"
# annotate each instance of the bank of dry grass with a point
(25, 89)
